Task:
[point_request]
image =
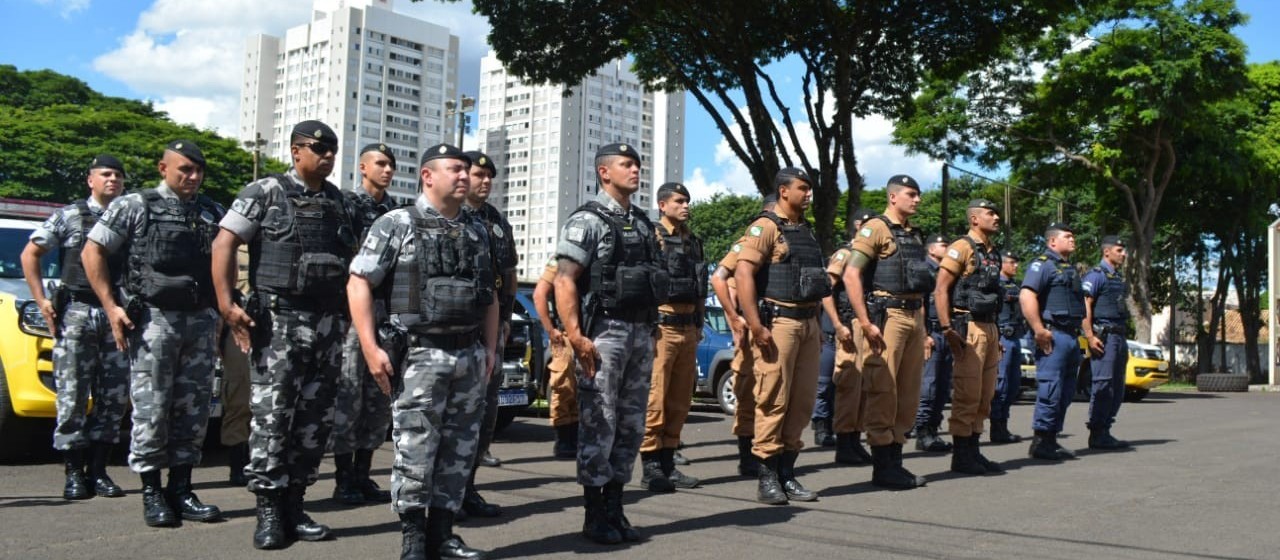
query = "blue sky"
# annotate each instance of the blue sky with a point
(183, 55)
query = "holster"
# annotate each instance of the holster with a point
(133, 306)
(256, 307)
(590, 304)
(395, 343)
(61, 299)
(877, 314)
(766, 314)
(960, 322)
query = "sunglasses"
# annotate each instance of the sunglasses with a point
(319, 148)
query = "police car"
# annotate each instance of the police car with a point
(27, 395)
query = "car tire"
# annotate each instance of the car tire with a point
(1222, 383)
(1135, 395)
(725, 397)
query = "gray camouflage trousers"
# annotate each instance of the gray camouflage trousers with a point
(613, 404)
(361, 412)
(439, 402)
(172, 355)
(87, 364)
(293, 382)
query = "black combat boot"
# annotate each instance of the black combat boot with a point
(883, 472)
(363, 483)
(184, 501)
(770, 490)
(155, 510)
(787, 475)
(822, 436)
(474, 504)
(963, 460)
(896, 450)
(237, 460)
(344, 488)
(1101, 439)
(653, 478)
(102, 483)
(298, 524)
(77, 485)
(1044, 446)
(976, 451)
(442, 543)
(595, 525)
(1000, 433)
(678, 458)
(613, 512)
(927, 440)
(748, 464)
(566, 446)
(667, 460)
(847, 448)
(488, 460)
(413, 535)
(270, 533)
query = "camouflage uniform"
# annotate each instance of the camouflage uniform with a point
(297, 343)
(505, 260)
(171, 351)
(85, 359)
(438, 396)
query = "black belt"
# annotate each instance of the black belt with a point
(448, 342)
(88, 298)
(678, 320)
(1069, 329)
(890, 302)
(1104, 330)
(799, 313)
(335, 304)
(981, 318)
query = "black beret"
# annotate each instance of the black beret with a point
(1112, 240)
(619, 150)
(317, 131)
(938, 239)
(904, 180)
(864, 214)
(380, 148)
(786, 174)
(1012, 256)
(1060, 226)
(187, 149)
(443, 151)
(769, 199)
(478, 158)
(108, 161)
(983, 203)
(668, 189)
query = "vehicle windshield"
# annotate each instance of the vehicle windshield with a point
(12, 242)
(716, 320)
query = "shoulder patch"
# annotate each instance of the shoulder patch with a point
(1088, 286)
(953, 254)
(575, 234)
(865, 232)
(755, 231)
(839, 256)
(737, 248)
(1035, 266)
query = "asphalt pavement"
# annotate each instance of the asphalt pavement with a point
(1195, 485)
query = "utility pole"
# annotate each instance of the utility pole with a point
(460, 108)
(255, 146)
(946, 176)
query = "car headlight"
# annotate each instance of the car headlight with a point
(31, 320)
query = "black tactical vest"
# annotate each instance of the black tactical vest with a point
(367, 210)
(449, 282)
(630, 281)
(1063, 304)
(979, 292)
(73, 275)
(685, 267)
(905, 271)
(169, 265)
(309, 255)
(1109, 307)
(1011, 310)
(800, 276)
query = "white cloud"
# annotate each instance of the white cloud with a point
(66, 8)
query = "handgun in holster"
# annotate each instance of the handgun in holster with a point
(256, 308)
(877, 313)
(590, 304)
(60, 297)
(766, 311)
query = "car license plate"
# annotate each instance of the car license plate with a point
(513, 397)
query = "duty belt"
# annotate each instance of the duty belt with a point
(448, 342)
(981, 318)
(87, 298)
(1073, 330)
(890, 302)
(277, 302)
(798, 313)
(629, 315)
(678, 320)
(1104, 330)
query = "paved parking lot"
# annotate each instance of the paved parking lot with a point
(1197, 484)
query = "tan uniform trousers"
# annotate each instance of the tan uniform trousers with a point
(786, 385)
(891, 380)
(973, 379)
(562, 385)
(234, 394)
(848, 380)
(744, 388)
(675, 371)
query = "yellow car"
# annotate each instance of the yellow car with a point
(26, 348)
(1147, 370)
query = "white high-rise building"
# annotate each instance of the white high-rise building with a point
(544, 145)
(369, 73)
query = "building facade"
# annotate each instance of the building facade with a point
(544, 143)
(370, 73)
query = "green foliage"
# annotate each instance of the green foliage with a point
(721, 221)
(54, 125)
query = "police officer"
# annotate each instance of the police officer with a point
(608, 255)
(744, 380)
(300, 231)
(675, 362)
(967, 300)
(847, 377)
(85, 360)
(166, 322)
(503, 252)
(935, 384)
(781, 266)
(1012, 328)
(1106, 325)
(361, 412)
(887, 279)
(1053, 304)
(562, 391)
